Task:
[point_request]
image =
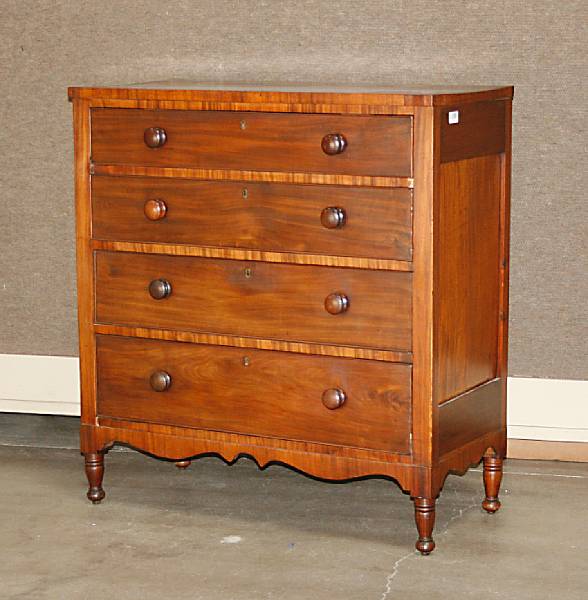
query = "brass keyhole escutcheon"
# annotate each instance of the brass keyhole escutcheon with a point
(243, 125)
(245, 193)
(246, 361)
(248, 273)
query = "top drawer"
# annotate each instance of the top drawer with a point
(367, 145)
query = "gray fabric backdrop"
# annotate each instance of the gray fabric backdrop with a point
(539, 46)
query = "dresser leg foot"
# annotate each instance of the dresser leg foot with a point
(492, 479)
(424, 512)
(183, 464)
(94, 463)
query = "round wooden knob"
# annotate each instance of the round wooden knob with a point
(334, 143)
(333, 217)
(336, 303)
(155, 209)
(160, 381)
(160, 289)
(334, 398)
(155, 137)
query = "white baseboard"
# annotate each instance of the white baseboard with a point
(547, 409)
(538, 409)
(39, 384)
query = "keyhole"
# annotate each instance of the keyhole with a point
(243, 125)
(247, 273)
(245, 193)
(246, 361)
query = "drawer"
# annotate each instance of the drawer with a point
(338, 401)
(337, 220)
(374, 145)
(256, 299)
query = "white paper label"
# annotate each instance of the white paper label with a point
(453, 117)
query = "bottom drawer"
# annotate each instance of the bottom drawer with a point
(341, 401)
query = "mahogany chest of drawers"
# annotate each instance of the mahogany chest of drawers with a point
(311, 276)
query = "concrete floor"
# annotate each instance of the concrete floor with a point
(237, 533)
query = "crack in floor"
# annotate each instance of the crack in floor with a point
(390, 577)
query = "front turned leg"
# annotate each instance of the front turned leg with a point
(94, 463)
(492, 479)
(424, 512)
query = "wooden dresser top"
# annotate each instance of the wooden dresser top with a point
(195, 91)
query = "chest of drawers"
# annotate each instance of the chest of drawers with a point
(311, 276)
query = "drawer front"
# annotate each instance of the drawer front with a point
(374, 145)
(279, 301)
(255, 392)
(336, 220)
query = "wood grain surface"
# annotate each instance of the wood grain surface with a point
(84, 262)
(423, 414)
(255, 299)
(470, 415)
(246, 175)
(480, 130)
(262, 216)
(320, 460)
(255, 392)
(376, 145)
(324, 260)
(467, 275)
(259, 343)
(306, 96)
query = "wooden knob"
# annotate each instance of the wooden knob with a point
(160, 289)
(155, 209)
(155, 137)
(334, 143)
(336, 303)
(334, 398)
(160, 381)
(333, 217)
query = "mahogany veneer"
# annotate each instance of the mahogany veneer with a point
(279, 217)
(312, 276)
(254, 140)
(218, 388)
(256, 299)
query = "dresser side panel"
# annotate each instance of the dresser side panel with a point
(470, 416)
(470, 130)
(467, 283)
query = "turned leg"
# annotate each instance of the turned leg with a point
(424, 512)
(183, 464)
(94, 462)
(492, 479)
